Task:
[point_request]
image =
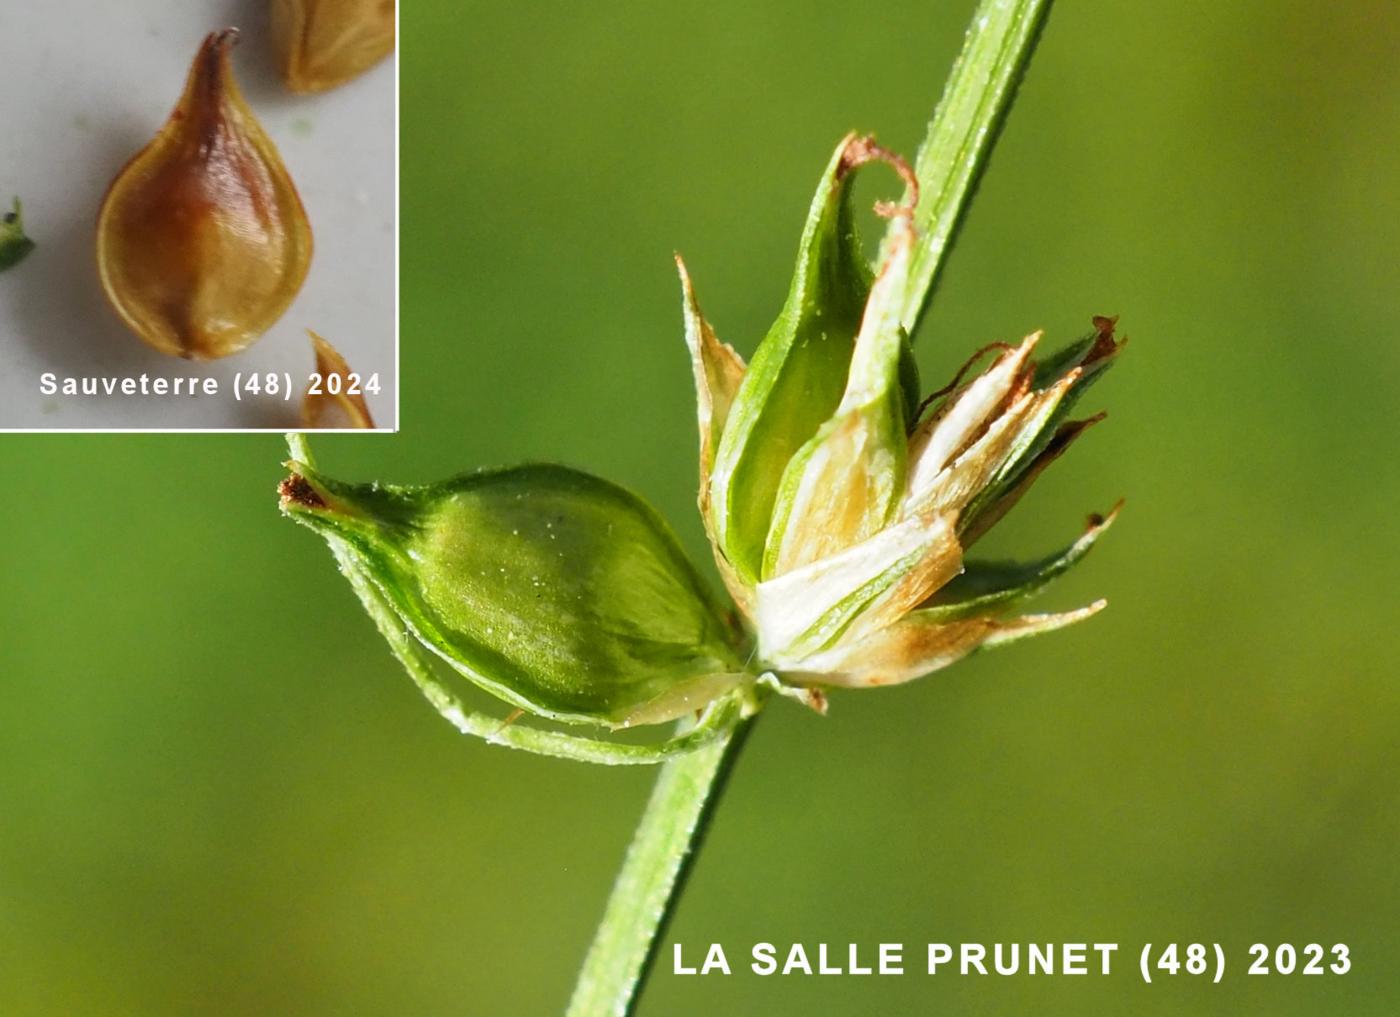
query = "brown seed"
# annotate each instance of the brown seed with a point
(202, 241)
(325, 43)
(335, 397)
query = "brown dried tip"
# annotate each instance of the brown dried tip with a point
(1105, 345)
(861, 149)
(297, 490)
(202, 241)
(335, 397)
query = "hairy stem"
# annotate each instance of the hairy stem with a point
(652, 878)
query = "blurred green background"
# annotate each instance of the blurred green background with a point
(218, 797)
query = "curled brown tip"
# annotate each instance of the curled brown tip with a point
(860, 149)
(957, 378)
(1105, 345)
(297, 490)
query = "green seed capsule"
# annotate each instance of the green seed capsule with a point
(557, 592)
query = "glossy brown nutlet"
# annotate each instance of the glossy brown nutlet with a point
(202, 241)
(324, 43)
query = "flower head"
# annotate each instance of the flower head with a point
(840, 505)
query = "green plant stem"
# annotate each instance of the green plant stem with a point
(652, 878)
(964, 128)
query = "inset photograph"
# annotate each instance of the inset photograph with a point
(198, 216)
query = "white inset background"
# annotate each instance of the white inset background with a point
(87, 86)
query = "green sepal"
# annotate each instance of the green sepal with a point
(877, 480)
(14, 245)
(798, 373)
(846, 483)
(557, 592)
(991, 587)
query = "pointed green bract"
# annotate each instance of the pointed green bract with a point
(562, 594)
(796, 377)
(845, 483)
(989, 587)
